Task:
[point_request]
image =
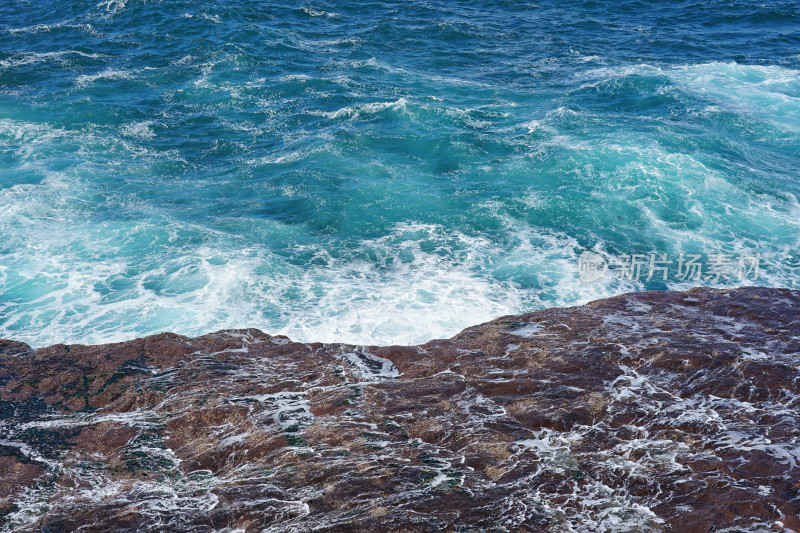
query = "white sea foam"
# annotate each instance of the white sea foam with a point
(295, 77)
(107, 74)
(371, 367)
(365, 110)
(351, 302)
(526, 331)
(318, 12)
(140, 130)
(30, 58)
(112, 7)
(213, 18)
(44, 28)
(770, 92)
(423, 295)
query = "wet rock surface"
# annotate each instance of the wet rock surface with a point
(645, 412)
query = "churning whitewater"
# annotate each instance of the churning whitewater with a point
(370, 172)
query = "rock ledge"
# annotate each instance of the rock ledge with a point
(644, 412)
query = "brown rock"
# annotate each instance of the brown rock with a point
(671, 412)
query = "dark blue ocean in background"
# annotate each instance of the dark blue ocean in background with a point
(380, 172)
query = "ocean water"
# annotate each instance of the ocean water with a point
(381, 172)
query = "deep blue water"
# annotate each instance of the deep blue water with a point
(380, 172)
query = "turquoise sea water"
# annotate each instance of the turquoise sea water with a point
(380, 172)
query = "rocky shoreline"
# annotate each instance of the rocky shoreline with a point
(667, 412)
